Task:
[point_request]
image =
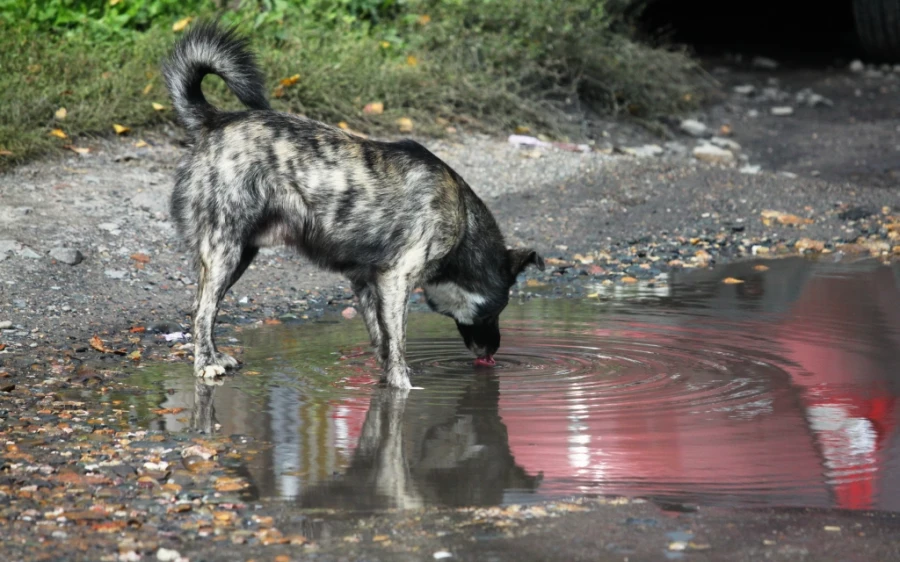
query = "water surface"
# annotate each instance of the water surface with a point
(781, 391)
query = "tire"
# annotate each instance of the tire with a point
(878, 27)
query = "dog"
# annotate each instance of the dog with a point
(390, 216)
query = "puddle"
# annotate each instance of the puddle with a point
(781, 391)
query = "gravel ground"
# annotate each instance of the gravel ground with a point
(86, 250)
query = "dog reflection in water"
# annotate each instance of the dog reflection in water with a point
(412, 454)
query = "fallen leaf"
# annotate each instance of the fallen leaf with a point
(374, 108)
(769, 216)
(411, 60)
(229, 484)
(137, 329)
(380, 538)
(760, 267)
(141, 258)
(832, 528)
(290, 81)
(4, 152)
(78, 149)
(424, 19)
(164, 411)
(282, 558)
(59, 133)
(385, 45)
(725, 130)
(297, 540)
(522, 130)
(60, 113)
(148, 88)
(140, 144)
(181, 24)
(629, 280)
(135, 355)
(343, 126)
(732, 281)
(158, 106)
(109, 526)
(271, 321)
(405, 124)
(120, 129)
(114, 2)
(106, 75)
(97, 344)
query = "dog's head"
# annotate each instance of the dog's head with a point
(477, 312)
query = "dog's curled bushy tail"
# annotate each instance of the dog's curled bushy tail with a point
(209, 49)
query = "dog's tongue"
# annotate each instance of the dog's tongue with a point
(486, 361)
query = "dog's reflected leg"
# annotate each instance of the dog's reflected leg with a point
(381, 443)
(203, 414)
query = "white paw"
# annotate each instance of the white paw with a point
(210, 371)
(400, 381)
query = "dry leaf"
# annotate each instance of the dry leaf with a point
(278, 91)
(120, 129)
(59, 133)
(374, 108)
(77, 149)
(522, 130)
(405, 124)
(137, 329)
(164, 411)
(181, 24)
(141, 258)
(629, 280)
(732, 281)
(760, 267)
(380, 538)
(147, 88)
(411, 60)
(809, 244)
(769, 216)
(135, 355)
(114, 2)
(725, 130)
(424, 19)
(271, 321)
(385, 45)
(97, 344)
(158, 106)
(61, 113)
(5, 152)
(141, 144)
(229, 484)
(290, 81)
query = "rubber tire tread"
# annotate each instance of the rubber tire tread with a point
(878, 27)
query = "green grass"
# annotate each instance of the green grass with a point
(490, 64)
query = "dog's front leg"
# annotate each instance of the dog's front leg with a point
(393, 293)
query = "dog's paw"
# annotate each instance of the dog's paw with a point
(398, 378)
(209, 371)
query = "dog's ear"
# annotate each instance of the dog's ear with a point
(520, 258)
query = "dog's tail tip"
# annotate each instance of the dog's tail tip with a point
(208, 48)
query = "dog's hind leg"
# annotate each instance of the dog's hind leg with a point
(368, 304)
(220, 268)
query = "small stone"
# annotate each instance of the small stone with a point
(28, 253)
(349, 313)
(8, 247)
(782, 110)
(5, 325)
(764, 63)
(857, 66)
(646, 151)
(713, 154)
(151, 202)
(115, 273)
(693, 127)
(441, 555)
(745, 89)
(750, 169)
(66, 255)
(728, 144)
(167, 555)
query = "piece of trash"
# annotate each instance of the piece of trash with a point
(441, 554)
(175, 336)
(832, 528)
(527, 140)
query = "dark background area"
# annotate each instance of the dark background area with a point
(799, 32)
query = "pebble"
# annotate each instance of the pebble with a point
(857, 66)
(750, 169)
(5, 325)
(693, 127)
(349, 313)
(167, 555)
(441, 555)
(713, 154)
(115, 273)
(782, 110)
(728, 144)
(646, 151)
(745, 89)
(152, 202)
(66, 255)
(28, 253)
